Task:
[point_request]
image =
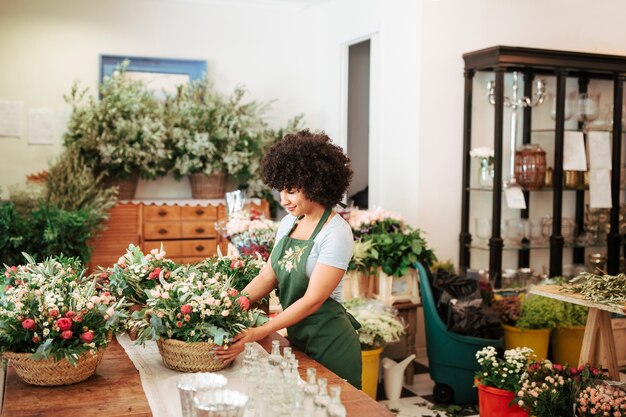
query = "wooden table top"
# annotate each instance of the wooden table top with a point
(115, 390)
(554, 291)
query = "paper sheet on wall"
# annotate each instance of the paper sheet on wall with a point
(574, 152)
(599, 150)
(515, 197)
(11, 118)
(599, 189)
(40, 126)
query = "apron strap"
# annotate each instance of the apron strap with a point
(321, 223)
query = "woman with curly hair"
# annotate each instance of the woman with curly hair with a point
(313, 249)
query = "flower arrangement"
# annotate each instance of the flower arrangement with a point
(51, 310)
(240, 271)
(550, 389)
(196, 307)
(382, 239)
(504, 373)
(134, 273)
(250, 233)
(379, 325)
(123, 132)
(601, 400)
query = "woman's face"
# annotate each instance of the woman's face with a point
(296, 203)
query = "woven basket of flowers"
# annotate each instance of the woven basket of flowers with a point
(189, 356)
(57, 323)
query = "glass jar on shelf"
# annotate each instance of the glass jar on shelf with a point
(530, 166)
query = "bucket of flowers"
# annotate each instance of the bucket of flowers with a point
(192, 315)
(250, 232)
(605, 399)
(54, 323)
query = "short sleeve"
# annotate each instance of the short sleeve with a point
(284, 226)
(336, 246)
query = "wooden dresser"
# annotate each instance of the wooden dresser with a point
(186, 228)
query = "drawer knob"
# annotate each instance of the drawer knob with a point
(162, 213)
(199, 212)
(199, 248)
(200, 230)
(162, 231)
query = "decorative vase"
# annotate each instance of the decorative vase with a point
(536, 339)
(189, 356)
(369, 374)
(530, 166)
(126, 187)
(485, 173)
(494, 402)
(48, 372)
(566, 344)
(208, 186)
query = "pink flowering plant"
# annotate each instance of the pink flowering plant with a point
(50, 309)
(199, 307)
(601, 400)
(134, 273)
(504, 373)
(250, 232)
(240, 270)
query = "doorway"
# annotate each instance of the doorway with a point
(358, 120)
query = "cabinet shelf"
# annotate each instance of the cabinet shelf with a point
(537, 246)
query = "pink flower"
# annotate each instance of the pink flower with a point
(66, 334)
(236, 263)
(179, 324)
(28, 324)
(70, 314)
(36, 339)
(233, 292)
(64, 323)
(243, 302)
(225, 313)
(185, 309)
(87, 337)
(54, 313)
(155, 274)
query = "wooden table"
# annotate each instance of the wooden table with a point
(115, 390)
(598, 328)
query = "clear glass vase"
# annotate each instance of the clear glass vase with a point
(485, 173)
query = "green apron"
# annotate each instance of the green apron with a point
(328, 335)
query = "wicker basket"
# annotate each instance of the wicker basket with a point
(126, 187)
(189, 356)
(207, 186)
(47, 372)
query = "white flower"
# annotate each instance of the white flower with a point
(482, 152)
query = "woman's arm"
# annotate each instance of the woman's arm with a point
(322, 283)
(262, 284)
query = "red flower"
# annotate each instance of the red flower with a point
(244, 302)
(36, 339)
(28, 324)
(233, 292)
(558, 367)
(236, 263)
(154, 274)
(87, 337)
(54, 312)
(70, 314)
(66, 334)
(64, 323)
(179, 324)
(186, 309)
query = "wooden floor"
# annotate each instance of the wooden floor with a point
(115, 390)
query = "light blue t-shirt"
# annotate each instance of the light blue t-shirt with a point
(332, 246)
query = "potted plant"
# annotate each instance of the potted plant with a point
(567, 338)
(551, 389)
(601, 400)
(379, 327)
(537, 317)
(54, 323)
(498, 379)
(121, 135)
(191, 315)
(213, 135)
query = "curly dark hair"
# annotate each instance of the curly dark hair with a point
(309, 162)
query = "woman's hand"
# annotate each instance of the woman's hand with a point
(229, 353)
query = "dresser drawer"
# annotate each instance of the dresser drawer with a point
(208, 213)
(162, 230)
(198, 229)
(172, 248)
(203, 248)
(161, 213)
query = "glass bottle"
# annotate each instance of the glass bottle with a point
(485, 173)
(311, 387)
(275, 356)
(336, 408)
(322, 399)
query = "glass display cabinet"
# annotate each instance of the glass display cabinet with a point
(527, 68)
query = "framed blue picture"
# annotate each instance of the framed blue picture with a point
(161, 75)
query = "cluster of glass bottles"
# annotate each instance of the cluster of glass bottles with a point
(275, 389)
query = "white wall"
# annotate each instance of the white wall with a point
(295, 54)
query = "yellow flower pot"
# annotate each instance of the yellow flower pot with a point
(369, 374)
(536, 339)
(566, 344)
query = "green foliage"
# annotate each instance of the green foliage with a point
(540, 313)
(123, 132)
